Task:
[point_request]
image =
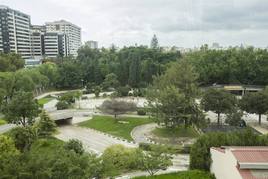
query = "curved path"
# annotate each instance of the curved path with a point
(140, 133)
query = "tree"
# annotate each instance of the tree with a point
(22, 109)
(75, 145)
(234, 117)
(154, 42)
(10, 62)
(255, 103)
(23, 137)
(117, 107)
(97, 90)
(45, 126)
(154, 161)
(110, 81)
(218, 101)
(7, 146)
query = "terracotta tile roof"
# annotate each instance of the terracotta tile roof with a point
(251, 155)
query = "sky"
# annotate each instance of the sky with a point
(181, 23)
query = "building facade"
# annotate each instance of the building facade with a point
(72, 31)
(15, 32)
(55, 45)
(92, 44)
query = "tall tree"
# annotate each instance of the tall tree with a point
(218, 101)
(154, 42)
(22, 109)
(255, 103)
(117, 107)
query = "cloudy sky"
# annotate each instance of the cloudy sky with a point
(184, 23)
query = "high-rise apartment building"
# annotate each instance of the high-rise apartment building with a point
(92, 44)
(72, 31)
(55, 44)
(15, 32)
(37, 40)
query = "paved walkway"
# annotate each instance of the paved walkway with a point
(139, 133)
(93, 141)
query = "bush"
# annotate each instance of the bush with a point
(45, 126)
(200, 150)
(97, 90)
(84, 98)
(141, 112)
(74, 145)
(62, 105)
(122, 91)
(118, 158)
(170, 149)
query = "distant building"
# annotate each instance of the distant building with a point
(73, 33)
(33, 62)
(55, 45)
(37, 40)
(239, 162)
(15, 32)
(92, 44)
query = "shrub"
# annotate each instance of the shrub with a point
(62, 105)
(141, 112)
(45, 126)
(119, 158)
(122, 91)
(74, 145)
(97, 90)
(200, 150)
(84, 98)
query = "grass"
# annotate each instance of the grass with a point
(47, 146)
(109, 125)
(2, 122)
(45, 100)
(179, 131)
(191, 174)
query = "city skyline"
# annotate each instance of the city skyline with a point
(183, 23)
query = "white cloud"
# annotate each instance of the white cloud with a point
(176, 22)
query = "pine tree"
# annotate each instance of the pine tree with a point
(154, 42)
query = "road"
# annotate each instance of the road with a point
(6, 127)
(93, 141)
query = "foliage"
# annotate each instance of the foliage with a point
(154, 161)
(61, 105)
(2, 122)
(111, 126)
(154, 42)
(45, 125)
(234, 117)
(7, 147)
(97, 90)
(179, 131)
(74, 145)
(190, 174)
(218, 101)
(44, 100)
(10, 62)
(172, 96)
(118, 158)
(111, 81)
(22, 109)
(117, 107)
(47, 158)
(200, 151)
(70, 97)
(169, 149)
(141, 112)
(231, 66)
(23, 137)
(255, 103)
(122, 91)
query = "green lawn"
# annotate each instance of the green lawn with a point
(44, 100)
(109, 125)
(2, 122)
(191, 174)
(180, 131)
